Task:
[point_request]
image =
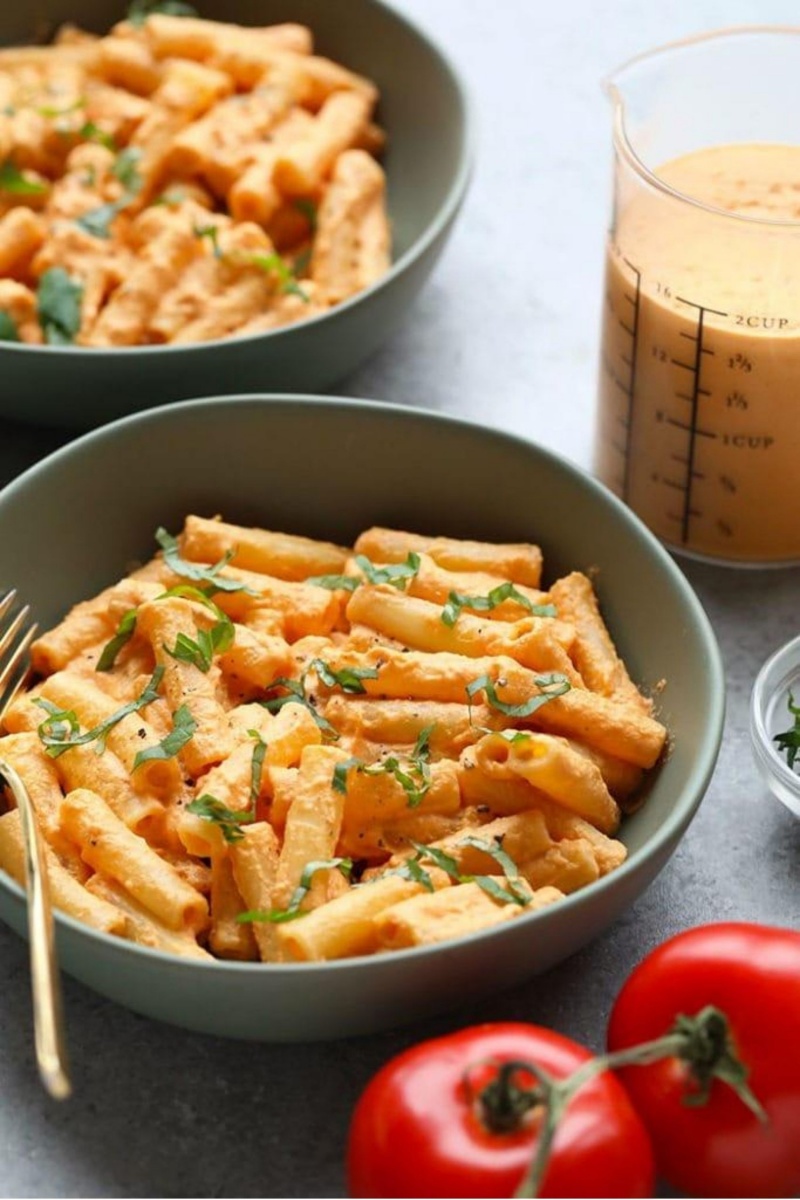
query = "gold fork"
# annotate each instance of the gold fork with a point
(16, 634)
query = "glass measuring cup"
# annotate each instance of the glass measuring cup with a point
(698, 424)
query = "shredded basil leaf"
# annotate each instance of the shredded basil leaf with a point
(187, 591)
(301, 262)
(296, 694)
(196, 572)
(504, 895)
(552, 685)
(397, 574)
(8, 330)
(513, 894)
(422, 749)
(514, 736)
(51, 111)
(200, 653)
(126, 170)
(183, 730)
(413, 775)
(333, 582)
(97, 221)
(90, 132)
(411, 869)
(58, 302)
(60, 732)
(229, 820)
(257, 765)
(308, 209)
(125, 631)
(445, 862)
(12, 180)
(62, 723)
(415, 790)
(140, 10)
(456, 601)
(212, 233)
(171, 197)
(277, 916)
(340, 771)
(274, 264)
(348, 679)
(789, 741)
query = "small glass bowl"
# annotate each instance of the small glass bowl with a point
(769, 715)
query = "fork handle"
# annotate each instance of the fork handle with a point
(48, 1016)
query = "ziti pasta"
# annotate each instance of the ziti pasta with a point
(260, 746)
(181, 180)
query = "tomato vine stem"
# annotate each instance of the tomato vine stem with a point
(703, 1042)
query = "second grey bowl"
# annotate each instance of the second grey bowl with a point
(425, 112)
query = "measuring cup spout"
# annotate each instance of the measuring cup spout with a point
(611, 91)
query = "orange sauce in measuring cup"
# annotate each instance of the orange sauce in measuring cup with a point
(699, 411)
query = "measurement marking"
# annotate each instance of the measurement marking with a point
(678, 458)
(619, 447)
(704, 350)
(678, 363)
(693, 429)
(625, 326)
(700, 392)
(609, 370)
(688, 511)
(691, 336)
(635, 302)
(679, 487)
(702, 308)
(695, 512)
(623, 421)
(626, 360)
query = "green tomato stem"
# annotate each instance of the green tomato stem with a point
(703, 1042)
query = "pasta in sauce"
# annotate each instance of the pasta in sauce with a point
(260, 746)
(183, 180)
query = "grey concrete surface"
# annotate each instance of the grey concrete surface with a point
(505, 332)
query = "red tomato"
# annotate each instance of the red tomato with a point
(752, 974)
(417, 1130)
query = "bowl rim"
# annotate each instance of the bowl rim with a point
(659, 843)
(445, 213)
(776, 772)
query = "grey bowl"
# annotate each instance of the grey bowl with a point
(425, 112)
(329, 468)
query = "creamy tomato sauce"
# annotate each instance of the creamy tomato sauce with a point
(699, 415)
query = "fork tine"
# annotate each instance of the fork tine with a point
(17, 657)
(7, 640)
(7, 699)
(48, 1016)
(7, 601)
